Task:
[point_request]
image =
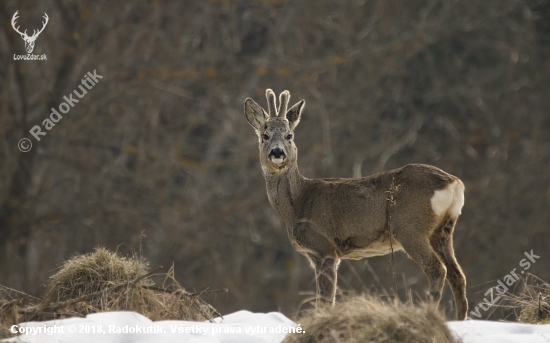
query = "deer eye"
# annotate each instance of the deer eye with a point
(289, 137)
(265, 137)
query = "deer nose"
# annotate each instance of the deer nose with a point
(277, 153)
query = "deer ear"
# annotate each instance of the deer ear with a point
(294, 113)
(255, 114)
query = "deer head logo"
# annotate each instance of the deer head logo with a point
(29, 40)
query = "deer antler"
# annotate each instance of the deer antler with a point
(13, 19)
(35, 33)
(43, 26)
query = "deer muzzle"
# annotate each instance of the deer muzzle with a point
(277, 155)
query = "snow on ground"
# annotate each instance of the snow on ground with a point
(238, 327)
(484, 331)
(111, 327)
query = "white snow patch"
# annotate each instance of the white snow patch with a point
(227, 330)
(484, 331)
(238, 327)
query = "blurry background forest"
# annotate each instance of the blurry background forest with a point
(158, 156)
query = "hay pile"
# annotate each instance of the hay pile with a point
(360, 319)
(86, 274)
(104, 281)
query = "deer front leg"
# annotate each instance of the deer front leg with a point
(325, 278)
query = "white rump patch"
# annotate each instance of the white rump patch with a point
(449, 200)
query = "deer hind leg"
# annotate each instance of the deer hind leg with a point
(442, 242)
(325, 278)
(418, 247)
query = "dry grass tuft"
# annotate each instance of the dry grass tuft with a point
(532, 304)
(361, 319)
(10, 303)
(104, 281)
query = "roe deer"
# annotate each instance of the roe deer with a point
(332, 219)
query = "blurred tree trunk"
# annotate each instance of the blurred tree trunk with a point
(14, 220)
(17, 213)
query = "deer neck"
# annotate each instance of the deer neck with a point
(283, 190)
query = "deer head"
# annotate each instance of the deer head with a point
(275, 130)
(29, 40)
